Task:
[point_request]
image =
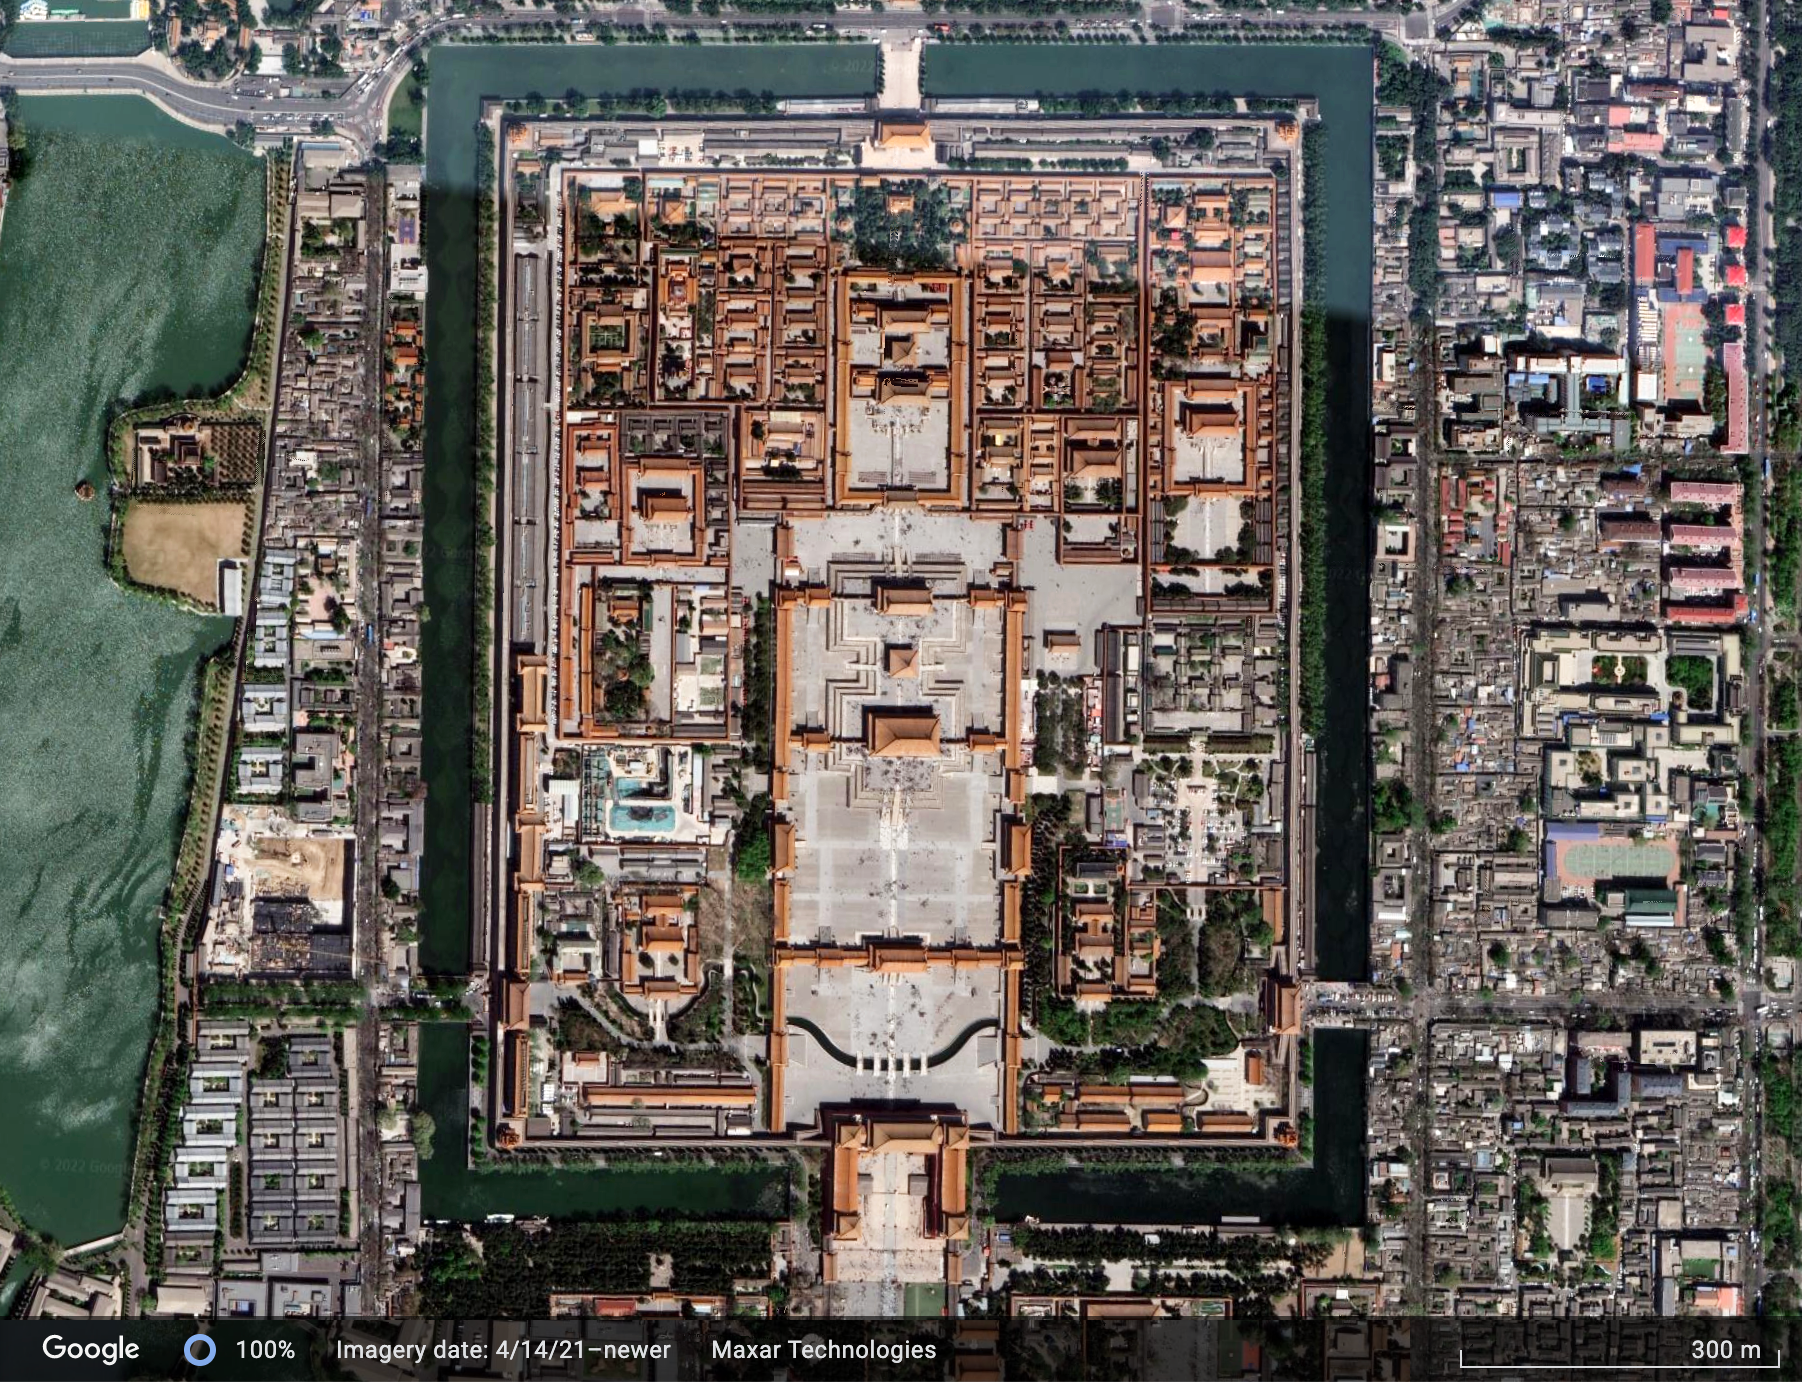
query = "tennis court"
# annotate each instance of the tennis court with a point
(1586, 861)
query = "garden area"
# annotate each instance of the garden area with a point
(507, 1270)
(1060, 727)
(622, 667)
(1694, 676)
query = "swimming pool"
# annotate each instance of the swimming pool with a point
(626, 819)
(627, 787)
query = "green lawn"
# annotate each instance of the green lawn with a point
(406, 112)
(923, 1298)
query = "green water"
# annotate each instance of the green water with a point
(111, 38)
(16, 1275)
(450, 1190)
(1339, 78)
(461, 77)
(127, 267)
(106, 10)
(1328, 1193)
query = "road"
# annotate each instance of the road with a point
(358, 117)
(1422, 759)
(1759, 351)
(370, 926)
(357, 107)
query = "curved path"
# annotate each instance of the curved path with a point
(936, 1059)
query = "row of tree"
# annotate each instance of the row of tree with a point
(509, 1270)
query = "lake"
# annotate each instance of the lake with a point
(127, 268)
(75, 38)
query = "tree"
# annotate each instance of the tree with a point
(1694, 676)
(17, 146)
(1393, 808)
(624, 700)
(752, 860)
(424, 1128)
(272, 1059)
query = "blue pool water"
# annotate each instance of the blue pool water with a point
(640, 820)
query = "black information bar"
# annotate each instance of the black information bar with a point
(1102, 1346)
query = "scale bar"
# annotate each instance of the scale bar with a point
(1619, 1367)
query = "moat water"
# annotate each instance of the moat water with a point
(1339, 78)
(127, 268)
(462, 77)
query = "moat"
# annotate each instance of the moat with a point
(1336, 77)
(159, 271)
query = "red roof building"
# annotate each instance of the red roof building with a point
(1733, 360)
(1708, 614)
(1645, 253)
(1713, 492)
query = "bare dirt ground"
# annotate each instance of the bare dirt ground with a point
(293, 867)
(178, 546)
(753, 919)
(711, 917)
